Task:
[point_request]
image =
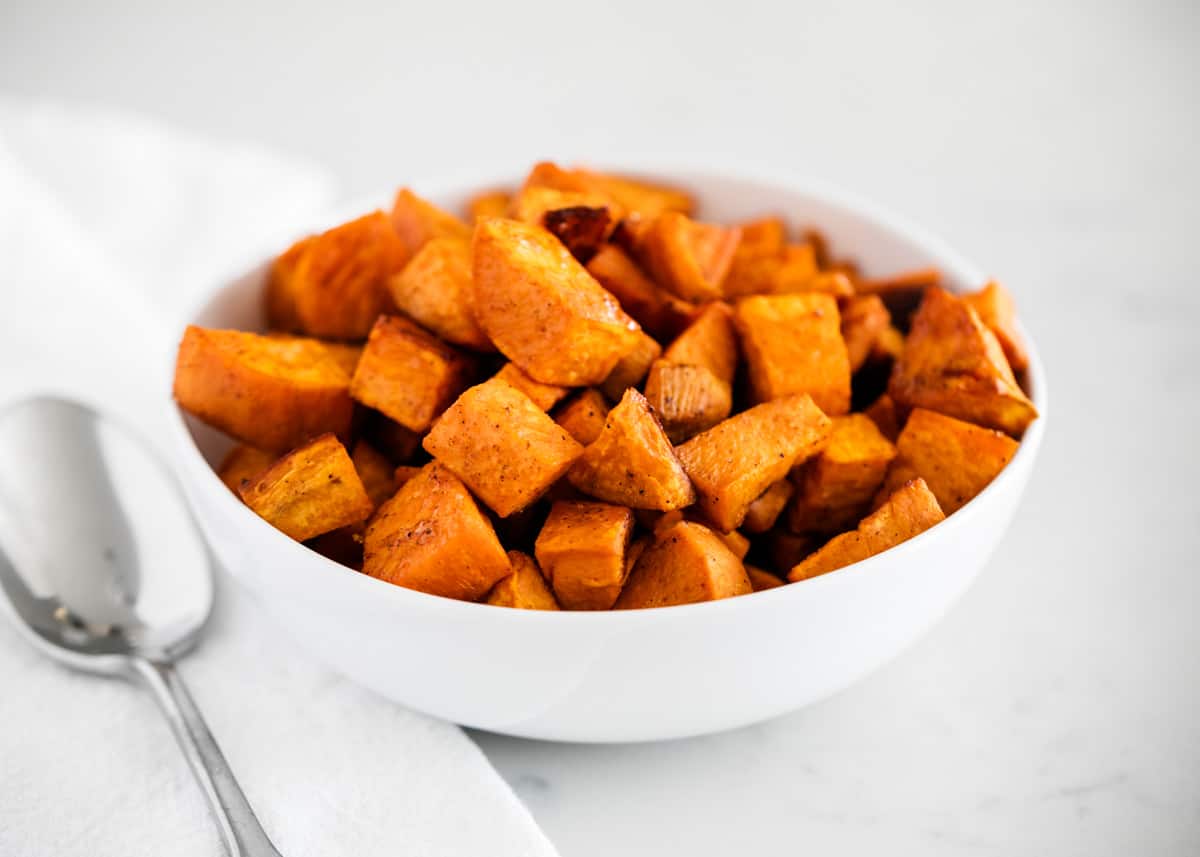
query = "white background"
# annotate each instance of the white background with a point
(1056, 710)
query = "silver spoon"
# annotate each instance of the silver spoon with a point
(105, 571)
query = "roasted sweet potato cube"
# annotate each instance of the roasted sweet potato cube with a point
(542, 309)
(545, 396)
(417, 220)
(687, 399)
(709, 341)
(864, 319)
(242, 464)
(757, 258)
(270, 393)
(375, 471)
(492, 203)
(793, 344)
(996, 309)
(735, 461)
(957, 460)
(953, 364)
(909, 511)
(582, 549)
(403, 473)
(761, 580)
(888, 346)
(659, 312)
(632, 462)
(345, 354)
(583, 417)
(766, 509)
(798, 272)
(688, 258)
(434, 289)
(635, 195)
(525, 588)
(432, 537)
(334, 285)
(738, 544)
(686, 564)
(836, 283)
(502, 445)
(581, 220)
(836, 485)
(310, 491)
(632, 368)
(883, 413)
(408, 374)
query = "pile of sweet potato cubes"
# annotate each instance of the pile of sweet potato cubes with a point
(577, 396)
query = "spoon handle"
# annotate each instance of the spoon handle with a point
(240, 830)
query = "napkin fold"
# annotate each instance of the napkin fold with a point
(111, 227)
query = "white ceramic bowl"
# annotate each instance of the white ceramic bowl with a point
(629, 675)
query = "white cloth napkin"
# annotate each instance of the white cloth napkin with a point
(108, 226)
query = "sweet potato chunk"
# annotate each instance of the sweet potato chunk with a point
(582, 549)
(345, 354)
(375, 471)
(583, 417)
(310, 491)
(334, 285)
(996, 309)
(434, 289)
(765, 510)
(883, 413)
(761, 580)
(270, 393)
(407, 374)
(632, 368)
(687, 399)
(888, 346)
(502, 445)
(432, 537)
(492, 203)
(686, 564)
(403, 473)
(242, 464)
(738, 544)
(542, 309)
(957, 460)
(688, 258)
(953, 364)
(582, 221)
(525, 588)
(709, 341)
(417, 220)
(659, 312)
(793, 344)
(637, 196)
(864, 319)
(836, 486)
(734, 462)
(545, 396)
(632, 462)
(909, 511)
(765, 264)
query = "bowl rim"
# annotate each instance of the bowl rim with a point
(387, 595)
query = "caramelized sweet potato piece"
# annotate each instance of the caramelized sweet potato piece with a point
(432, 537)
(417, 220)
(688, 258)
(687, 399)
(434, 289)
(766, 509)
(583, 417)
(836, 486)
(502, 445)
(883, 413)
(996, 309)
(242, 464)
(709, 341)
(270, 393)
(836, 283)
(525, 588)
(334, 285)
(632, 368)
(953, 364)
(864, 319)
(734, 462)
(542, 309)
(345, 354)
(738, 544)
(957, 460)
(659, 312)
(582, 549)
(757, 258)
(632, 462)
(793, 344)
(407, 374)
(492, 203)
(375, 471)
(761, 580)
(545, 396)
(582, 229)
(686, 564)
(909, 511)
(310, 491)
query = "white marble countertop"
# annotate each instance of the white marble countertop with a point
(1056, 709)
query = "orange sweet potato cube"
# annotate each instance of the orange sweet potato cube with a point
(883, 413)
(686, 564)
(956, 459)
(584, 416)
(492, 203)
(688, 258)
(502, 445)
(582, 548)
(953, 364)
(417, 220)
(793, 344)
(310, 491)
(581, 220)
(735, 461)
(525, 588)
(632, 462)
(909, 511)
(659, 312)
(542, 309)
(345, 354)
(636, 196)
(408, 374)
(864, 319)
(632, 368)
(888, 346)
(434, 289)
(709, 341)
(545, 396)
(996, 309)
(738, 544)
(757, 258)
(270, 393)
(761, 580)
(375, 471)
(431, 536)
(836, 486)
(687, 399)
(766, 509)
(334, 285)
(242, 464)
